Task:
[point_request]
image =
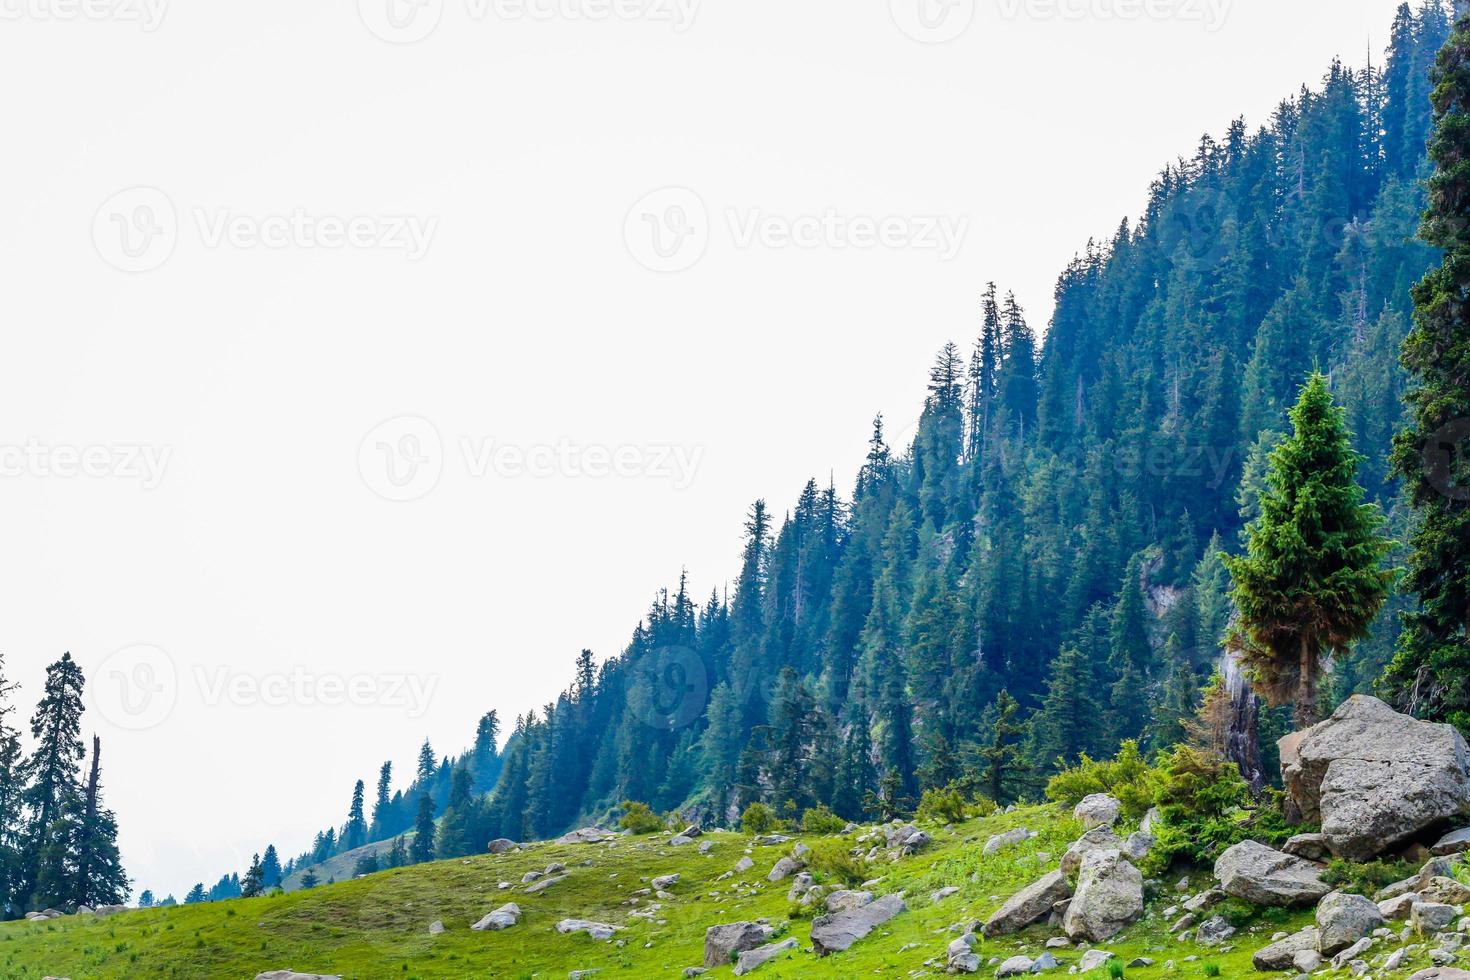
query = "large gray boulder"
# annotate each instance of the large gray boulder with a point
(1455, 842)
(1258, 874)
(587, 835)
(1441, 973)
(1343, 919)
(761, 955)
(1375, 778)
(722, 943)
(999, 842)
(835, 933)
(1097, 810)
(505, 917)
(1096, 839)
(597, 930)
(1029, 905)
(502, 845)
(1282, 955)
(292, 975)
(1109, 897)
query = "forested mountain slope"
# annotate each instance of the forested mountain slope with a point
(1035, 575)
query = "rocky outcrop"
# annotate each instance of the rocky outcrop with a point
(835, 933)
(1096, 839)
(502, 845)
(1282, 955)
(1109, 897)
(1343, 919)
(1256, 873)
(1375, 778)
(1029, 905)
(961, 957)
(723, 943)
(1441, 973)
(1097, 810)
(1456, 842)
(587, 835)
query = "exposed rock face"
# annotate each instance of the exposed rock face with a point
(1453, 843)
(1397, 909)
(1281, 955)
(504, 917)
(1343, 919)
(1263, 876)
(1109, 897)
(1214, 931)
(1138, 845)
(1029, 905)
(1428, 918)
(1313, 847)
(1375, 778)
(761, 955)
(721, 943)
(1098, 810)
(835, 933)
(845, 900)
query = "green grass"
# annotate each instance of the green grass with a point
(377, 927)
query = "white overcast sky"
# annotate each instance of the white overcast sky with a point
(235, 540)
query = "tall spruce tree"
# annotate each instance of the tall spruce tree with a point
(1312, 578)
(100, 879)
(422, 848)
(52, 797)
(1430, 675)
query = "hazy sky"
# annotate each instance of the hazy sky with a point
(365, 362)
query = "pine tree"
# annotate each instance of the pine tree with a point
(428, 766)
(309, 879)
(1430, 676)
(354, 833)
(1312, 579)
(382, 803)
(146, 900)
(1067, 723)
(52, 796)
(253, 884)
(1001, 755)
(423, 832)
(100, 879)
(270, 868)
(195, 895)
(719, 746)
(12, 877)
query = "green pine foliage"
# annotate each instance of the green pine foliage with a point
(1312, 579)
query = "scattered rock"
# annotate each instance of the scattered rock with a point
(587, 835)
(1044, 962)
(961, 957)
(664, 882)
(1441, 973)
(1096, 839)
(1263, 876)
(1428, 918)
(1281, 955)
(1313, 847)
(680, 840)
(1029, 905)
(1138, 845)
(846, 901)
(1098, 810)
(544, 884)
(505, 917)
(1453, 843)
(771, 840)
(744, 865)
(1010, 838)
(1092, 959)
(1374, 778)
(1140, 963)
(761, 955)
(293, 975)
(721, 943)
(835, 933)
(1015, 966)
(597, 930)
(944, 893)
(800, 885)
(502, 845)
(785, 868)
(1397, 909)
(1343, 919)
(1109, 897)
(436, 928)
(1214, 931)
(1307, 961)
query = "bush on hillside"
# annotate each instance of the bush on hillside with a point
(820, 820)
(1126, 776)
(759, 819)
(836, 866)
(639, 819)
(943, 806)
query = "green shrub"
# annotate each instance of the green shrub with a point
(1200, 797)
(942, 806)
(834, 864)
(759, 819)
(820, 820)
(1115, 969)
(638, 819)
(1212, 969)
(1126, 776)
(1366, 879)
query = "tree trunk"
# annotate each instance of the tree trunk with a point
(1306, 690)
